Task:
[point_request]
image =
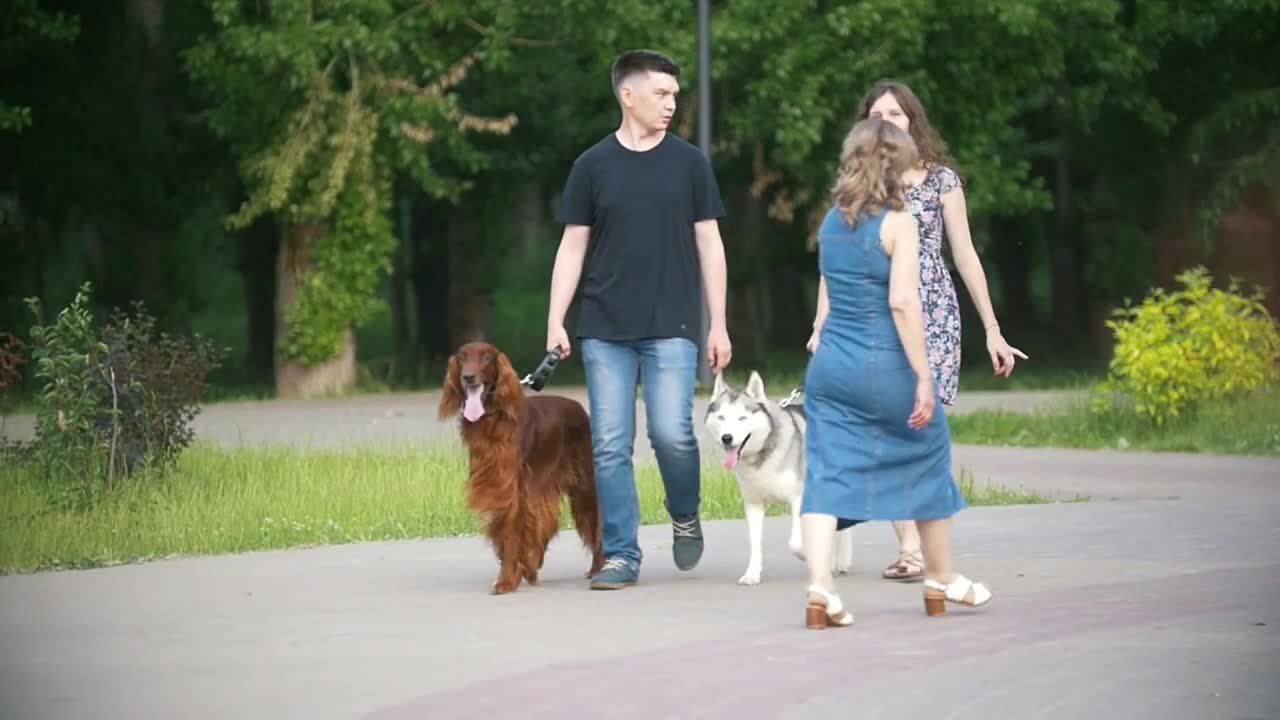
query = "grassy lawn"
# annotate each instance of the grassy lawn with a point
(1249, 426)
(778, 381)
(229, 501)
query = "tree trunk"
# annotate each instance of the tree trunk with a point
(792, 321)
(531, 215)
(748, 323)
(1065, 255)
(259, 248)
(150, 15)
(104, 294)
(1017, 316)
(429, 261)
(468, 298)
(398, 302)
(294, 379)
(151, 245)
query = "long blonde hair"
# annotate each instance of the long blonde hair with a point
(875, 155)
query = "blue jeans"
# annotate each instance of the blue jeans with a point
(667, 367)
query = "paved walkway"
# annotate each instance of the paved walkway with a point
(1152, 600)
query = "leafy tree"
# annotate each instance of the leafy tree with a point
(1229, 104)
(111, 182)
(322, 103)
(498, 238)
(25, 25)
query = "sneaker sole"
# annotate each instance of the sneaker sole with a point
(611, 586)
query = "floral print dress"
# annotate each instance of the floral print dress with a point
(937, 291)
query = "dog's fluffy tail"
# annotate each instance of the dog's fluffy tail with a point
(584, 503)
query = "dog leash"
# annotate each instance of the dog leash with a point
(539, 377)
(795, 393)
(789, 399)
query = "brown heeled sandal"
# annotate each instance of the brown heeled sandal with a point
(831, 613)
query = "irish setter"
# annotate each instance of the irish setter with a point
(525, 454)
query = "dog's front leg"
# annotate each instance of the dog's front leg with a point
(796, 542)
(509, 557)
(755, 533)
(509, 574)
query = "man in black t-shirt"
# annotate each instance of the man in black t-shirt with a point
(640, 210)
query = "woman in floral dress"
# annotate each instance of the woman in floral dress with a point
(936, 199)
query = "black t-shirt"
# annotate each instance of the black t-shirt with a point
(641, 277)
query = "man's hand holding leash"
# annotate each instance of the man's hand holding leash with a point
(558, 339)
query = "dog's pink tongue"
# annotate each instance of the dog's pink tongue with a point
(473, 408)
(731, 457)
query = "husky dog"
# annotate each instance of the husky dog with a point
(763, 445)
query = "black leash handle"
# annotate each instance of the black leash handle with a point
(539, 377)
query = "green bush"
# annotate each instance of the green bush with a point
(156, 383)
(70, 391)
(111, 403)
(1179, 349)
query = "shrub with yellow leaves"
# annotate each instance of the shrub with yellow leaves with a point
(1179, 349)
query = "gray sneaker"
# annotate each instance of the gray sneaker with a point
(616, 573)
(686, 543)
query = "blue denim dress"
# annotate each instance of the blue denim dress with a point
(863, 462)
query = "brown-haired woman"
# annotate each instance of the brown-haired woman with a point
(936, 199)
(874, 447)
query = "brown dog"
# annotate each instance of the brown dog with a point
(525, 454)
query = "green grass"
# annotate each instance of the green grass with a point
(1247, 426)
(785, 373)
(231, 501)
(979, 495)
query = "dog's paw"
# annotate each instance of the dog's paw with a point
(842, 568)
(751, 577)
(797, 548)
(502, 587)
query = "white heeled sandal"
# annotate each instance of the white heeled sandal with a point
(830, 613)
(961, 590)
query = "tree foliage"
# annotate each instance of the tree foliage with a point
(1240, 142)
(1078, 127)
(23, 25)
(322, 103)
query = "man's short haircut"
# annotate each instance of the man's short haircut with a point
(635, 61)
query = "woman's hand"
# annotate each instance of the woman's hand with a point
(923, 411)
(1002, 353)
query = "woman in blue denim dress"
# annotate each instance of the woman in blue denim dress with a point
(936, 199)
(874, 447)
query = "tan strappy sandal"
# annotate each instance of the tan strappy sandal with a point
(908, 566)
